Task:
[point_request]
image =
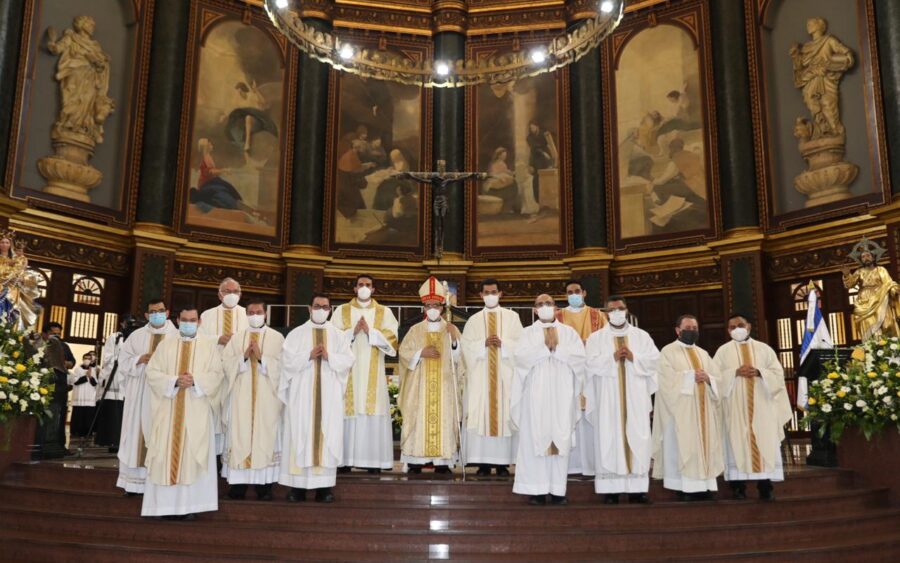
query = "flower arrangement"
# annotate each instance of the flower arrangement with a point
(26, 389)
(396, 415)
(864, 393)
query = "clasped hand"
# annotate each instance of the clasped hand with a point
(185, 380)
(746, 371)
(252, 351)
(318, 352)
(700, 376)
(361, 325)
(493, 342)
(430, 352)
(623, 354)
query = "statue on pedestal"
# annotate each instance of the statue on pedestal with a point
(83, 76)
(819, 66)
(877, 304)
(18, 285)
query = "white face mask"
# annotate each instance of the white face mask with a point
(319, 316)
(363, 293)
(491, 301)
(256, 321)
(433, 315)
(230, 300)
(740, 334)
(618, 318)
(546, 313)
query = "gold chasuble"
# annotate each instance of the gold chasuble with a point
(585, 322)
(755, 409)
(179, 437)
(689, 410)
(428, 395)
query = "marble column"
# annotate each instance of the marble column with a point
(11, 14)
(449, 137)
(887, 21)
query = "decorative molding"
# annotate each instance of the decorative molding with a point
(684, 279)
(802, 263)
(81, 256)
(192, 273)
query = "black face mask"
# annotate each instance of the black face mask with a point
(689, 337)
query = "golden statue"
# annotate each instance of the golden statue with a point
(819, 66)
(18, 285)
(878, 299)
(83, 75)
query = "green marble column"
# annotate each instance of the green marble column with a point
(887, 20)
(449, 136)
(308, 181)
(11, 12)
(588, 186)
(159, 158)
(737, 166)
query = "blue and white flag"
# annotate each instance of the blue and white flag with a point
(815, 337)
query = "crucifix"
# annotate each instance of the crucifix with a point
(439, 181)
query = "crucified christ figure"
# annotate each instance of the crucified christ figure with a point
(439, 181)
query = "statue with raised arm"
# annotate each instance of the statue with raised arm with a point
(18, 285)
(878, 299)
(439, 182)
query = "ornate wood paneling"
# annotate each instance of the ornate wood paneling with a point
(192, 273)
(666, 279)
(77, 255)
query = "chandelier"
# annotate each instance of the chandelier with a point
(559, 51)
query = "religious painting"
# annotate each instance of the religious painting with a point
(378, 131)
(819, 123)
(74, 145)
(518, 135)
(236, 145)
(660, 127)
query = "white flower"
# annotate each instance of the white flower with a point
(8, 370)
(2, 396)
(12, 341)
(894, 347)
(44, 371)
(845, 389)
(35, 396)
(13, 398)
(894, 417)
(882, 390)
(888, 400)
(13, 381)
(826, 408)
(23, 406)
(880, 353)
(826, 383)
(860, 403)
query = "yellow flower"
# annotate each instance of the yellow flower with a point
(15, 354)
(812, 401)
(833, 375)
(872, 375)
(841, 394)
(20, 368)
(4, 379)
(882, 342)
(43, 391)
(858, 354)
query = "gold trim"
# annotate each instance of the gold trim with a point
(434, 368)
(320, 338)
(372, 384)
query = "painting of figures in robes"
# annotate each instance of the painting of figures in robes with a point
(517, 138)
(660, 134)
(377, 133)
(238, 138)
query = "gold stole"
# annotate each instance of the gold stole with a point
(493, 354)
(155, 339)
(183, 362)
(320, 338)
(551, 340)
(254, 369)
(697, 365)
(227, 322)
(622, 342)
(750, 388)
(372, 387)
(434, 368)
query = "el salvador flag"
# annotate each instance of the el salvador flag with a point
(815, 337)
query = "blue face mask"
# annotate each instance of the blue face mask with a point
(576, 300)
(188, 329)
(157, 319)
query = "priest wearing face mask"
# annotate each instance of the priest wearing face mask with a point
(430, 371)
(756, 408)
(184, 374)
(687, 434)
(136, 354)
(544, 404)
(222, 322)
(585, 320)
(252, 411)
(488, 344)
(622, 360)
(315, 365)
(368, 431)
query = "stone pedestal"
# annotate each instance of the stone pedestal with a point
(828, 177)
(68, 172)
